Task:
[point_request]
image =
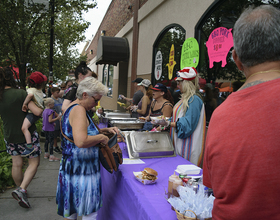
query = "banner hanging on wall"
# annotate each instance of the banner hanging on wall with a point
(171, 63)
(219, 44)
(190, 53)
(158, 65)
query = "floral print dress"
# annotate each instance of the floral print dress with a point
(79, 182)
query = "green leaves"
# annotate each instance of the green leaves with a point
(5, 171)
(25, 34)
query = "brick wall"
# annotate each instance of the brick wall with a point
(118, 14)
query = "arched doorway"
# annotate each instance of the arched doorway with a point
(173, 34)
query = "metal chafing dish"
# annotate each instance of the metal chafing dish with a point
(127, 123)
(149, 144)
(117, 115)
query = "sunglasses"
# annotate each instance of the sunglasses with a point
(95, 100)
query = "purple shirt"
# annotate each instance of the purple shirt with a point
(47, 126)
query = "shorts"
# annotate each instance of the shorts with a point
(56, 133)
(32, 118)
(17, 149)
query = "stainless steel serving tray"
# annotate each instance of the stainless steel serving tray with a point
(149, 144)
(127, 124)
(117, 115)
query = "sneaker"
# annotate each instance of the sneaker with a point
(21, 197)
(27, 151)
(53, 158)
(57, 150)
(46, 156)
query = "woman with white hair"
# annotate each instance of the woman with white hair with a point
(188, 119)
(79, 186)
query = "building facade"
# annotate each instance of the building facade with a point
(140, 36)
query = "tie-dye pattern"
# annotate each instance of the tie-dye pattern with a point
(79, 182)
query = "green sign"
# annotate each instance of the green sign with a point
(190, 53)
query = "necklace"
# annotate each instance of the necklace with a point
(262, 72)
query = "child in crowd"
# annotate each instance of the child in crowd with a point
(35, 83)
(57, 108)
(49, 117)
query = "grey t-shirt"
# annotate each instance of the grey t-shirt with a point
(136, 99)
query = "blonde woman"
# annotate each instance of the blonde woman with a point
(188, 120)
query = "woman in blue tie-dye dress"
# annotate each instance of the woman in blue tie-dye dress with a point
(79, 183)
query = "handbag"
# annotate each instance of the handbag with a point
(110, 154)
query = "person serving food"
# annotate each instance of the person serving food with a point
(188, 119)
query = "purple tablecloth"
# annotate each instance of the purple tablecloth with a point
(126, 198)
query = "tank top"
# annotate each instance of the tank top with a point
(158, 112)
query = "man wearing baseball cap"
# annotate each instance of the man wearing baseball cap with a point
(136, 97)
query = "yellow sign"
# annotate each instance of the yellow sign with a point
(171, 63)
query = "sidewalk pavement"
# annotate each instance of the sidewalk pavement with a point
(41, 195)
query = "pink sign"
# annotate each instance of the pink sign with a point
(219, 43)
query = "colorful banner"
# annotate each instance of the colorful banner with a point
(189, 53)
(219, 44)
(171, 63)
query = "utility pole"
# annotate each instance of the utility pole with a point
(51, 42)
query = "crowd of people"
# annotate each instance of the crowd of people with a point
(241, 140)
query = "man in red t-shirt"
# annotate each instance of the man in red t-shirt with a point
(242, 152)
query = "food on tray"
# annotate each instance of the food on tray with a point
(142, 118)
(149, 174)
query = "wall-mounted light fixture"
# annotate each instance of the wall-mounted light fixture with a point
(103, 32)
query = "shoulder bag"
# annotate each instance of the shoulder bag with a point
(110, 154)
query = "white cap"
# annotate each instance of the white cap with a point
(188, 73)
(145, 83)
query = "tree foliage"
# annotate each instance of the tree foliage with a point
(25, 34)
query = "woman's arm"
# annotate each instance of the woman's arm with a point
(167, 111)
(145, 103)
(186, 125)
(65, 104)
(111, 130)
(79, 122)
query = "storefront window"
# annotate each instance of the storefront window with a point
(223, 13)
(167, 54)
(107, 79)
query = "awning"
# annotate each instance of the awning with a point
(111, 50)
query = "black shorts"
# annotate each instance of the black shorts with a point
(32, 118)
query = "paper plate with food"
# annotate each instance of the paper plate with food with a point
(142, 118)
(147, 176)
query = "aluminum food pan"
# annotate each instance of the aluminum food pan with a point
(117, 115)
(127, 124)
(149, 144)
